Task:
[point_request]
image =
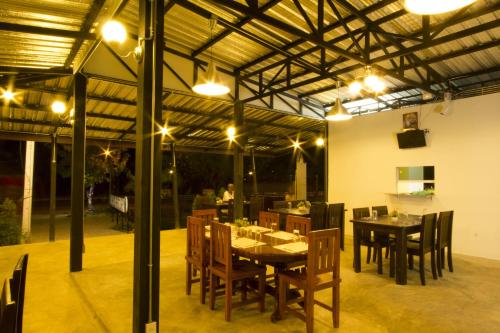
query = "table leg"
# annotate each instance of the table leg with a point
(401, 257)
(357, 247)
(275, 316)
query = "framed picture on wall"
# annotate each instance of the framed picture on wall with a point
(410, 120)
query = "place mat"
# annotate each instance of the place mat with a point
(243, 243)
(282, 235)
(295, 247)
(255, 228)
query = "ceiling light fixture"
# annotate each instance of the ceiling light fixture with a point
(296, 144)
(433, 7)
(58, 107)
(114, 31)
(320, 142)
(8, 95)
(210, 84)
(164, 130)
(231, 133)
(370, 82)
(338, 112)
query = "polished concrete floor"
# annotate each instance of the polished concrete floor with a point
(99, 299)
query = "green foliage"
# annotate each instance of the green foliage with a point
(10, 231)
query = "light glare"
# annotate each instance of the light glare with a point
(114, 31)
(432, 7)
(320, 142)
(355, 87)
(231, 133)
(8, 95)
(58, 107)
(210, 89)
(164, 130)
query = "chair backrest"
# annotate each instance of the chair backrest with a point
(335, 216)
(220, 245)
(7, 310)
(256, 205)
(323, 255)
(303, 224)
(381, 210)
(206, 214)
(280, 204)
(17, 287)
(428, 232)
(358, 213)
(196, 238)
(444, 228)
(318, 215)
(267, 218)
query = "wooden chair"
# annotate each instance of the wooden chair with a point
(444, 233)
(383, 237)
(322, 272)
(366, 236)
(318, 215)
(280, 204)
(7, 310)
(223, 267)
(17, 287)
(336, 219)
(206, 214)
(303, 224)
(426, 244)
(381, 210)
(196, 256)
(268, 218)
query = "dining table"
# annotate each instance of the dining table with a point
(400, 227)
(278, 249)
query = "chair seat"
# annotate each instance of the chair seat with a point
(242, 269)
(299, 278)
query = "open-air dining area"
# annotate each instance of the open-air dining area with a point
(249, 166)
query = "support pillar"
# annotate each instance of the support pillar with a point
(238, 151)
(148, 169)
(175, 190)
(255, 189)
(78, 173)
(28, 190)
(326, 171)
(53, 188)
(300, 178)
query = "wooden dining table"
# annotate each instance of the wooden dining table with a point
(401, 227)
(266, 253)
(289, 211)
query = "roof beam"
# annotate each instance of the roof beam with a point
(31, 70)
(30, 29)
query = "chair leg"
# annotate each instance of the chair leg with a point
(244, 290)
(336, 306)
(450, 262)
(228, 300)
(421, 262)
(379, 261)
(375, 252)
(392, 261)
(203, 284)
(212, 291)
(188, 278)
(368, 254)
(282, 297)
(439, 262)
(309, 298)
(433, 265)
(442, 258)
(262, 291)
(410, 261)
(386, 252)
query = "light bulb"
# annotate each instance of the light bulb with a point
(58, 107)
(378, 87)
(231, 133)
(164, 130)
(355, 87)
(210, 89)
(8, 95)
(432, 7)
(114, 31)
(296, 144)
(320, 142)
(371, 80)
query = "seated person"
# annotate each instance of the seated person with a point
(229, 193)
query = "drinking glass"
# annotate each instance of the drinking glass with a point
(296, 232)
(375, 214)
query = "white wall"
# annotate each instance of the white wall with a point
(464, 147)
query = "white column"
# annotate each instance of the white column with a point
(28, 189)
(301, 179)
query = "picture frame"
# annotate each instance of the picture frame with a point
(410, 120)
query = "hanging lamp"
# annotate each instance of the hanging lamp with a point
(433, 7)
(209, 83)
(338, 111)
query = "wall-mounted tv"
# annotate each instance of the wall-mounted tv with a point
(411, 139)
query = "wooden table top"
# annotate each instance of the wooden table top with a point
(291, 211)
(387, 221)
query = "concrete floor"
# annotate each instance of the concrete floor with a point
(99, 299)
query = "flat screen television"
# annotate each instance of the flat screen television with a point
(411, 139)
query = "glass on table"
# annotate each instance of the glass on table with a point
(296, 233)
(375, 214)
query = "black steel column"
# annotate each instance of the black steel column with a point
(254, 174)
(325, 172)
(148, 169)
(78, 173)
(53, 170)
(175, 190)
(238, 151)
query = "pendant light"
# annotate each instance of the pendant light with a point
(432, 7)
(210, 84)
(338, 111)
